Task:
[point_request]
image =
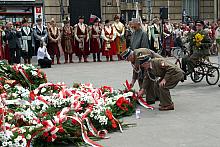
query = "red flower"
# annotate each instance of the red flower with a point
(45, 134)
(54, 136)
(74, 121)
(32, 95)
(122, 103)
(61, 130)
(114, 125)
(108, 113)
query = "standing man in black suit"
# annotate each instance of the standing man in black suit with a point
(13, 35)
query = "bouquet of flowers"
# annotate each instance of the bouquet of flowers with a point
(198, 38)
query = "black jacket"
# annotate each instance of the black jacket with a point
(13, 37)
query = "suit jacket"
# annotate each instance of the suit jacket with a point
(13, 37)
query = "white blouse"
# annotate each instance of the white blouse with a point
(42, 52)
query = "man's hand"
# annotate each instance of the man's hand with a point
(162, 83)
(141, 92)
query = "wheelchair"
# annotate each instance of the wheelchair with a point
(204, 68)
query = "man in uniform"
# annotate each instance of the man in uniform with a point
(198, 51)
(139, 38)
(165, 76)
(138, 73)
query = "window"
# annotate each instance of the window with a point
(191, 8)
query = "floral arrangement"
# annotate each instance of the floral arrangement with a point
(198, 39)
(28, 76)
(54, 113)
(200, 42)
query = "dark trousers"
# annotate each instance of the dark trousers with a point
(15, 56)
(94, 56)
(45, 63)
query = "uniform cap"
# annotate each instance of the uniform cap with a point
(126, 53)
(199, 21)
(143, 59)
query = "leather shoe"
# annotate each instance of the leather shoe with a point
(166, 108)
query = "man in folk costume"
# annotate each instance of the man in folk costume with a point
(120, 38)
(67, 34)
(95, 42)
(54, 36)
(82, 40)
(109, 47)
(27, 40)
(155, 35)
(40, 34)
(168, 38)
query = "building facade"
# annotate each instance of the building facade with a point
(15, 10)
(204, 9)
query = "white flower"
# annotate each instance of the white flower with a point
(34, 73)
(43, 90)
(10, 143)
(14, 95)
(19, 138)
(4, 143)
(28, 136)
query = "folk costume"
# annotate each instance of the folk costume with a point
(27, 41)
(67, 41)
(168, 42)
(120, 36)
(54, 36)
(82, 40)
(155, 35)
(109, 47)
(95, 42)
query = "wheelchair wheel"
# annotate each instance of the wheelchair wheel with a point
(212, 75)
(198, 74)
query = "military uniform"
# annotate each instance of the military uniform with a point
(138, 72)
(197, 52)
(160, 68)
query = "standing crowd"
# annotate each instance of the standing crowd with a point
(109, 39)
(143, 44)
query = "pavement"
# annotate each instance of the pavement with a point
(195, 122)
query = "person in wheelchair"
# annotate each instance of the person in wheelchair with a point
(200, 43)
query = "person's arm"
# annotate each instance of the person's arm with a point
(114, 34)
(46, 54)
(75, 32)
(8, 35)
(103, 35)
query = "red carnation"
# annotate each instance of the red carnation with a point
(32, 95)
(45, 134)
